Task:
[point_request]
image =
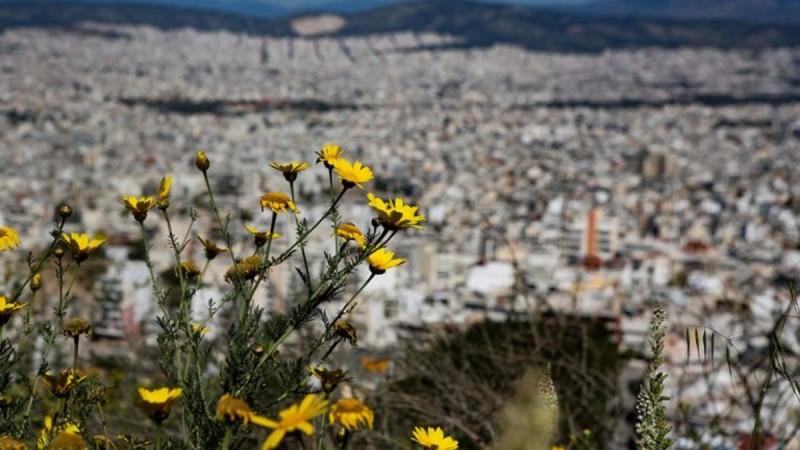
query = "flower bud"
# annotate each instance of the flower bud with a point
(58, 252)
(64, 211)
(36, 282)
(202, 161)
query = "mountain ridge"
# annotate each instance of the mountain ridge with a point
(473, 24)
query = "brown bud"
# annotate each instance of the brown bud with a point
(202, 161)
(64, 211)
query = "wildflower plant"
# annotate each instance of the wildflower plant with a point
(212, 393)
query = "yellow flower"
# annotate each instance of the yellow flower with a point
(158, 403)
(43, 440)
(434, 439)
(138, 206)
(9, 443)
(163, 192)
(350, 232)
(9, 239)
(248, 268)
(202, 161)
(261, 237)
(290, 170)
(80, 245)
(278, 202)
(188, 269)
(7, 309)
(211, 248)
(61, 384)
(199, 329)
(352, 174)
(231, 409)
(395, 215)
(68, 441)
(329, 378)
(352, 414)
(329, 154)
(382, 260)
(346, 331)
(295, 417)
(375, 365)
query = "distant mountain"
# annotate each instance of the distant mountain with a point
(475, 24)
(765, 11)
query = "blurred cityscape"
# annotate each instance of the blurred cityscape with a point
(589, 184)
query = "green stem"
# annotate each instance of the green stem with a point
(76, 341)
(158, 437)
(302, 245)
(57, 236)
(226, 442)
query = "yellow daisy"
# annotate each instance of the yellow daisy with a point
(158, 403)
(189, 270)
(80, 245)
(7, 309)
(347, 331)
(138, 206)
(9, 239)
(261, 237)
(211, 248)
(61, 384)
(352, 414)
(232, 409)
(247, 269)
(329, 154)
(352, 174)
(395, 214)
(43, 440)
(278, 202)
(162, 199)
(350, 232)
(291, 169)
(199, 329)
(68, 441)
(329, 378)
(295, 417)
(382, 260)
(433, 439)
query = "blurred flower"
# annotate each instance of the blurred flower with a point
(199, 329)
(295, 417)
(75, 326)
(346, 331)
(395, 215)
(9, 239)
(375, 365)
(68, 441)
(290, 170)
(80, 245)
(61, 384)
(350, 232)
(211, 248)
(102, 442)
(201, 161)
(188, 269)
(261, 237)
(162, 198)
(231, 408)
(7, 309)
(248, 268)
(433, 439)
(382, 260)
(158, 403)
(352, 414)
(138, 206)
(9, 443)
(329, 154)
(278, 202)
(329, 378)
(43, 440)
(352, 174)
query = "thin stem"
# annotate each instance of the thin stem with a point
(56, 237)
(302, 246)
(158, 436)
(226, 442)
(76, 341)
